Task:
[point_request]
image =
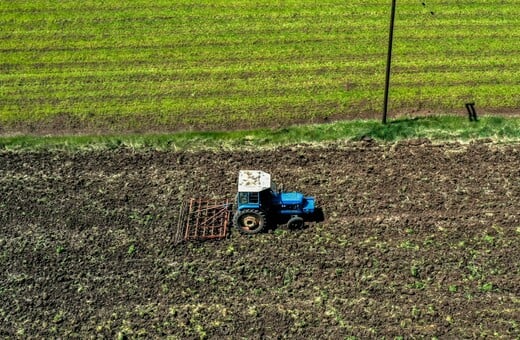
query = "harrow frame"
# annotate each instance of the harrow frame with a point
(203, 219)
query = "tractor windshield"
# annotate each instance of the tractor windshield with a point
(273, 187)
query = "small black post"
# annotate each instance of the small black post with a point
(472, 113)
(389, 60)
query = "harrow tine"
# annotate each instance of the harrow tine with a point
(181, 223)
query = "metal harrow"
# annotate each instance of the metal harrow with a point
(202, 220)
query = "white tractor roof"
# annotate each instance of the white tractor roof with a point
(253, 181)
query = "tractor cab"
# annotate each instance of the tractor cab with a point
(255, 189)
(258, 201)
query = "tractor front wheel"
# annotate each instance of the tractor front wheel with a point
(250, 221)
(296, 222)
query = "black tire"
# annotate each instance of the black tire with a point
(296, 222)
(250, 221)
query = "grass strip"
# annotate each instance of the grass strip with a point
(435, 128)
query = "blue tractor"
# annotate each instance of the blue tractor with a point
(259, 204)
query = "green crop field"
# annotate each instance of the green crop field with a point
(181, 65)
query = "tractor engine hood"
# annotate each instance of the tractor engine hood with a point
(296, 203)
(291, 198)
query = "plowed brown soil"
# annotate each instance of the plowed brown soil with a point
(420, 240)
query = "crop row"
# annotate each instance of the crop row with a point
(242, 111)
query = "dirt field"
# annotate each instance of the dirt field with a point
(419, 240)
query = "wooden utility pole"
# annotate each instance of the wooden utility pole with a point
(389, 60)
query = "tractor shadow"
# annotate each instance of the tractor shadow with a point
(310, 220)
(318, 216)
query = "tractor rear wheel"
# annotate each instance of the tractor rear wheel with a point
(250, 221)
